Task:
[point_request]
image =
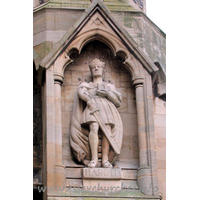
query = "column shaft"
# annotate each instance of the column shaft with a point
(58, 123)
(141, 126)
(59, 170)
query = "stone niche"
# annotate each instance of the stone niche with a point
(116, 73)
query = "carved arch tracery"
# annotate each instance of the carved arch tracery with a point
(112, 41)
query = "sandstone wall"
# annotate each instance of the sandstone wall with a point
(160, 135)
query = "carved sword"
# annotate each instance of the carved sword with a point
(104, 129)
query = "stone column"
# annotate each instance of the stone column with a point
(59, 170)
(144, 173)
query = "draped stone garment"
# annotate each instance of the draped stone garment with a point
(81, 118)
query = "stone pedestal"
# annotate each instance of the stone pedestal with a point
(102, 179)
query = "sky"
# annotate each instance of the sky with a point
(157, 12)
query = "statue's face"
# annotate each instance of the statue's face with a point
(97, 70)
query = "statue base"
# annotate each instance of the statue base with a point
(102, 179)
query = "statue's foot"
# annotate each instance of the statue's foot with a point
(106, 164)
(92, 164)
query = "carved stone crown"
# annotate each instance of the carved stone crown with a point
(96, 61)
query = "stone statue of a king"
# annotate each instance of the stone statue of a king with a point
(95, 113)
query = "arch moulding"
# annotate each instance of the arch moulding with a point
(114, 43)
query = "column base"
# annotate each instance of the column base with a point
(60, 176)
(144, 180)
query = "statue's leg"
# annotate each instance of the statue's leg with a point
(93, 141)
(105, 150)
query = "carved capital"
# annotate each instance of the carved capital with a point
(138, 81)
(58, 78)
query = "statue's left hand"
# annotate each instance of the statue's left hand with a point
(102, 93)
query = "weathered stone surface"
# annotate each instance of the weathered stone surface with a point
(73, 173)
(160, 106)
(161, 143)
(129, 174)
(44, 48)
(161, 153)
(160, 120)
(160, 132)
(161, 164)
(39, 22)
(102, 185)
(130, 184)
(127, 164)
(77, 183)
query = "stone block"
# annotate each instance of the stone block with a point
(125, 80)
(160, 120)
(39, 22)
(129, 174)
(129, 184)
(162, 175)
(162, 189)
(127, 151)
(160, 110)
(69, 97)
(67, 78)
(102, 178)
(79, 64)
(128, 20)
(124, 107)
(39, 38)
(160, 106)
(68, 162)
(77, 183)
(131, 101)
(160, 132)
(113, 77)
(161, 164)
(161, 143)
(87, 76)
(161, 153)
(64, 19)
(54, 35)
(66, 118)
(129, 123)
(137, 24)
(76, 75)
(102, 185)
(44, 48)
(127, 163)
(50, 20)
(102, 173)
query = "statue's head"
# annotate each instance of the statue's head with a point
(96, 67)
